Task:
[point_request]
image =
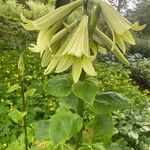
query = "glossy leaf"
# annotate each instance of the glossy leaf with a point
(86, 90)
(100, 129)
(64, 125)
(42, 130)
(109, 101)
(58, 86)
(70, 102)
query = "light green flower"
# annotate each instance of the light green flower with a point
(44, 37)
(119, 25)
(79, 43)
(52, 17)
(74, 52)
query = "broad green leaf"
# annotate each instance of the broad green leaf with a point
(15, 146)
(86, 90)
(64, 125)
(42, 130)
(13, 88)
(30, 92)
(70, 102)
(58, 86)
(109, 101)
(100, 129)
(17, 116)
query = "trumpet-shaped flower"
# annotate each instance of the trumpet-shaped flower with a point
(52, 17)
(62, 63)
(44, 37)
(74, 52)
(119, 25)
(79, 43)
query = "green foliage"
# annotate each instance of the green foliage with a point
(101, 127)
(107, 102)
(142, 15)
(41, 130)
(64, 125)
(39, 105)
(13, 36)
(17, 116)
(13, 88)
(142, 46)
(58, 86)
(141, 73)
(131, 124)
(86, 90)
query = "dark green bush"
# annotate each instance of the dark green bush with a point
(142, 46)
(141, 73)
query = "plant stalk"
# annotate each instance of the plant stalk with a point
(80, 101)
(24, 109)
(80, 112)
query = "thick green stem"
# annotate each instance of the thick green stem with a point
(81, 114)
(24, 109)
(80, 101)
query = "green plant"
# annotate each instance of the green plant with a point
(141, 73)
(142, 46)
(79, 93)
(76, 52)
(41, 107)
(13, 36)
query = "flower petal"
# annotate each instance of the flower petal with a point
(127, 36)
(64, 63)
(117, 22)
(76, 69)
(120, 43)
(88, 66)
(136, 26)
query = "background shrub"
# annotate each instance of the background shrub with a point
(141, 73)
(142, 46)
(13, 36)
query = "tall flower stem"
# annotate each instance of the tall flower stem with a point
(80, 112)
(24, 109)
(22, 93)
(80, 101)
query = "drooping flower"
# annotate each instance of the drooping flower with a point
(74, 52)
(119, 25)
(52, 17)
(44, 37)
